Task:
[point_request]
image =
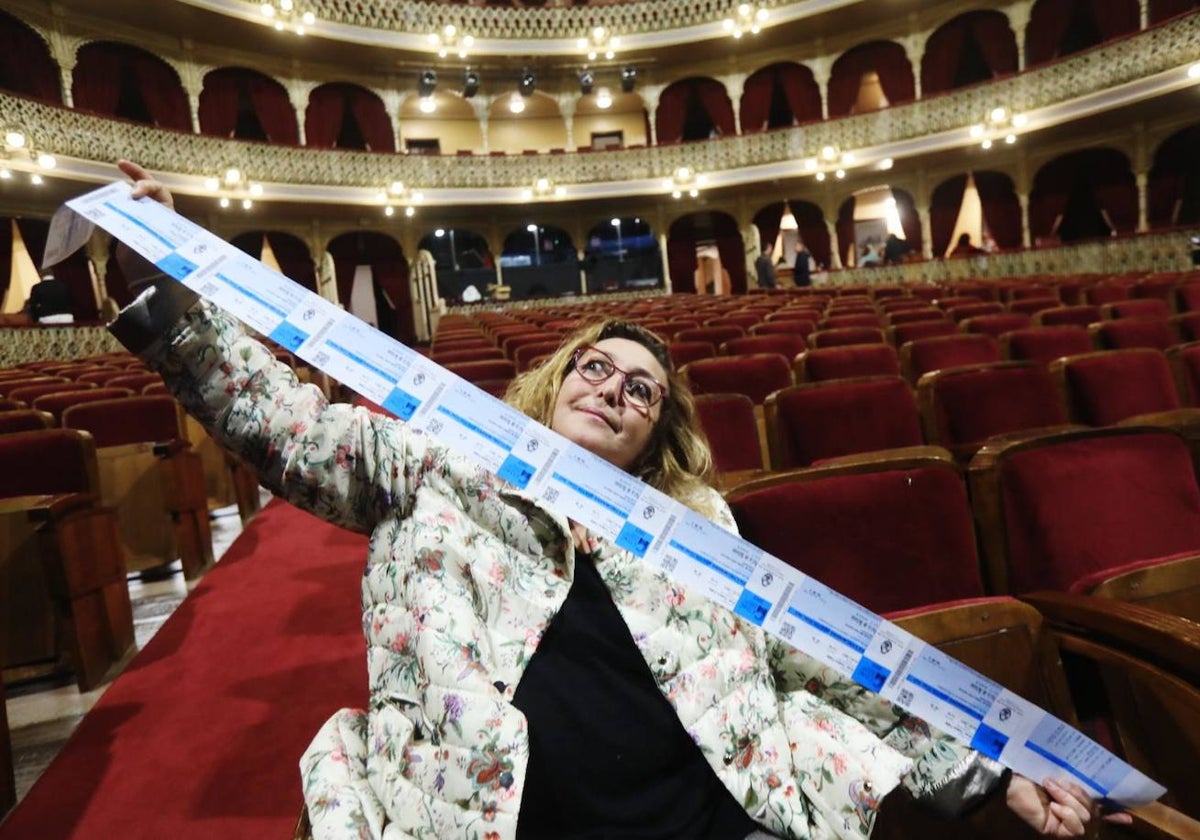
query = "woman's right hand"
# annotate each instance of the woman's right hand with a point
(145, 184)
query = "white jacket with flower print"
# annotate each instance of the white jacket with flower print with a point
(463, 576)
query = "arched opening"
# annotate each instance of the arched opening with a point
(1083, 195)
(246, 105)
(1161, 10)
(1174, 184)
(971, 48)
(1058, 28)
(854, 69)
(449, 128)
(776, 232)
(345, 116)
(463, 261)
(779, 95)
(26, 67)
(22, 246)
(118, 80)
(539, 260)
(877, 225)
(693, 109)
(998, 204)
(279, 250)
(622, 253)
(705, 254)
(371, 271)
(538, 126)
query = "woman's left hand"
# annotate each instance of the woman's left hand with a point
(1057, 809)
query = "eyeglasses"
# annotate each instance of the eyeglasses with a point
(596, 366)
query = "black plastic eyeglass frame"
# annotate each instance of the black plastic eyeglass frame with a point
(578, 356)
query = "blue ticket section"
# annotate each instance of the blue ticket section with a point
(707, 562)
(633, 539)
(827, 630)
(176, 266)
(870, 674)
(988, 741)
(752, 608)
(288, 335)
(515, 471)
(401, 404)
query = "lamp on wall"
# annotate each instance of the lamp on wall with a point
(21, 149)
(398, 194)
(683, 181)
(587, 80)
(233, 185)
(829, 159)
(426, 84)
(746, 18)
(285, 14)
(543, 188)
(451, 39)
(999, 123)
(528, 82)
(629, 77)
(600, 41)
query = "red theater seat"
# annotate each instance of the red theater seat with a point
(848, 362)
(814, 421)
(844, 336)
(1187, 326)
(900, 334)
(996, 325)
(1142, 308)
(731, 426)
(683, 352)
(489, 369)
(1185, 363)
(789, 346)
(1032, 306)
(963, 311)
(963, 407)
(1045, 344)
(1079, 316)
(928, 354)
(919, 312)
(1111, 386)
(25, 420)
(716, 335)
(756, 376)
(56, 404)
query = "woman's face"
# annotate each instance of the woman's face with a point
(599, 417)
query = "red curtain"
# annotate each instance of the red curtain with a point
(716, 102)
(733, 258)
(990, 32)
(5, 255)
(275, 111)
(813, 230)
(802, 91)
(323, 118)
(756, 100)
(372, 117)
(392, 277)
(886, 58)
(681, 256)
(73, 272)
(294, 260)
(25, 63)
(767, 221)
(1173, 160)
(96, 80)
(845, 229)
(161, 90)
(1048, 22)
(668, 119)
(1161, 10)
(219, 102)
(1108, 175)
(1116, 17)
(943, 211)
(1001, 208)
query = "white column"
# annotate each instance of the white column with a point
(650, 97)
(1018, 20)
(481, 107)
(566, 106)
(298, 92)
(1143, 13)
(391, 103)
(666, 265)
(914, 48)
(735, 85)
(926, 233)
(1143, 222)
(64, 49)
(822, 69)
(835, 257)
(1026, 238)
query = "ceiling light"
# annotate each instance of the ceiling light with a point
(840, 174)
(1019, 120)
(747, 18)
(976, 131)
(426, 105)
(1194, 71)
(604, 99)
(1010, 139)
(14, 138)
(35, 179)
(389, 210)
(224, 202)
(285, 14)
(247, 204)
(5, 174)
(256, 190)
(886, 163)
(409, 212)
(451, 39)
(46, 161)
(516, 104)
(987, 144)
(212, 184)
(829, 153)
(820, 176)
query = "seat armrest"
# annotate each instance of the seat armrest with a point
(1171, 640)
(41, 508)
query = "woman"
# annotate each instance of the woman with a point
(527, 679)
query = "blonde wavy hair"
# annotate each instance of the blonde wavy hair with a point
(677, 459)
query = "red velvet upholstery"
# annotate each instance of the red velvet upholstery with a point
(732, 430)
(1031, 306)
(512, 343)
(913, 315)
(1110, 386)
(1079, 316)
(1187, 297)
(1187, 326)
(901, 334)
(28, 393)
(923, 355)
(1045, 344)
(1128, 333)
(1185, 361)
(736, 319)
(7, 386)
(128, 420)
(847, 362)
(683, 352)
(844, 336)
(24, 420)
(1096, 503)
(1103, 293)
(950, 300)
(487, 369)
(996, 325)
(46, 462)
(476, 354)
(964, 311)
(807, 423)
(789, 346)
(786, 326)
(756, 376)
(1143, 308)
(919, 547)
(56, 404)
(855, 319)
(717, 335)
(966, 406)
(526, 353)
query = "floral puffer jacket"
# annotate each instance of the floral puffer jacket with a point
(463, 576)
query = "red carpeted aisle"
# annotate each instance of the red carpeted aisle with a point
(201, 735)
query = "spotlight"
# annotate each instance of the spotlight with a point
(470, 83)
(628, 79)
(587, 80)
(528, 82)
(427, 83)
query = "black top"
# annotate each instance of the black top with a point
(48, 297)
(608, 756)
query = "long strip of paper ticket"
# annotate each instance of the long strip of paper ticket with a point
(756, 586)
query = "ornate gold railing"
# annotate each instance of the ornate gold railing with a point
(76, 134)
